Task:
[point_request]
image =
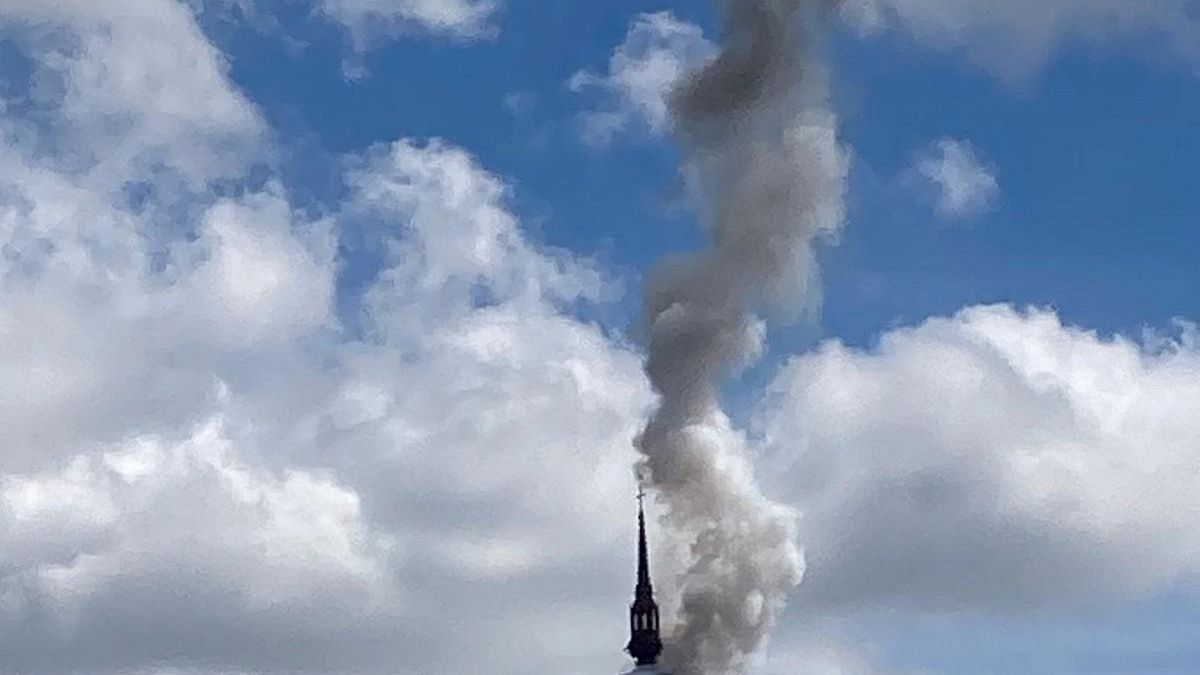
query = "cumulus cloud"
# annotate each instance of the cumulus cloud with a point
(997, 460)
(203, 469)
(98, 571)
(128, 87)
(281, 498)
(658, 50)
(1015, 39)
(965, 185)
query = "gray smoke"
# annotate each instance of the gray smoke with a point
(762, 161)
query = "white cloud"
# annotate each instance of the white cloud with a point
(1014, 39)
(134, 553)
(658, 50)
(996, 460)
(262, 271)
(201, 469)
(94, 289)
(965, 185)
(367, 20)
(212, 454)
(461, 234)
(129, 86)
(519, 104)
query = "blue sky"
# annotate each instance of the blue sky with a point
(1091, 149)
(1096, 217)
(285, 363)
(1088, 148)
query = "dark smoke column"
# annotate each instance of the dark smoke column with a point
(764, 166)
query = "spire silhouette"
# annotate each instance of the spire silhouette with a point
(644, 643)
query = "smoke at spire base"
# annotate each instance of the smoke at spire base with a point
(762, 160)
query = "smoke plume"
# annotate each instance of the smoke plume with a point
(762, 161)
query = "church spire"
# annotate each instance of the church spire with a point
(643, 573)
(644, 643)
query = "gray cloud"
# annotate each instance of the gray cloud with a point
(1015, 39)
(768, 176)
(659, 50)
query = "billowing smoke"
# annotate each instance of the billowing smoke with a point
(762, 161)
